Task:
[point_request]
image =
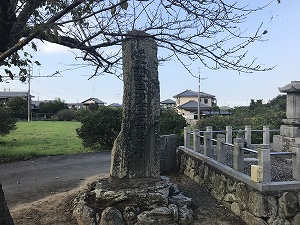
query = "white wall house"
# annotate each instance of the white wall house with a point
(187, 103)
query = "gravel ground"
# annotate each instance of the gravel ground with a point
(281, 167)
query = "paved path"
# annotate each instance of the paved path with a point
(30, 180)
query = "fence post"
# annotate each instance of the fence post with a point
(264, 162)
(248, 135)
(221, 155)
(196, 140)
(266, 135)
(229, 134)
(296, 161)
(187, 137)
(238, 154)
(207, 142)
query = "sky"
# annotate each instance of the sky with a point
(230, 88)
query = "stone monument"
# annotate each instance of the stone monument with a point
(135, 153)
(143, 196)
(290, 130)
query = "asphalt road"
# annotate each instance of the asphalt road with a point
(30, 180)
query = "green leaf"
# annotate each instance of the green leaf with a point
(9, 73)
(113, 11)
(37, 63)
(124, 5)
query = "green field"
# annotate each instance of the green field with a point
(40, 138)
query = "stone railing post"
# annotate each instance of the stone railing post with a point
(187, 137)
(238, 154)
(207, 141)
(266, 135)
(264, 162)
(229, 134)
(248, 135)
(221, 154)
(296, 161)
(196, 140)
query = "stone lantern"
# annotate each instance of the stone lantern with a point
(290, 130)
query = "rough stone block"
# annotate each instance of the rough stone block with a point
(296, 219)
(111, 216)
(174, 212)
(242, 195)
(278, 221)
(231, 185)
(84, 215)
(218, 188)
(180, 200)
(288, 205)
(261, 205)
(185, 215)
(235, 208)
(251, 219)
(230, 197)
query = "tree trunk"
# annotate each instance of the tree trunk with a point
(5, 217)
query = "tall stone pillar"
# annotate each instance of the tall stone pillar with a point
(135, 153)
(290, 130)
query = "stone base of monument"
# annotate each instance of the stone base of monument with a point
(132, 202)
(283, 144)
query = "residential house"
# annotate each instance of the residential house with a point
(187, 103)
(6, 95)
(168, 104)
(92, 101)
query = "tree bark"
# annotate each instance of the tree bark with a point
(5, 217)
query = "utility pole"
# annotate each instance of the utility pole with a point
(199, 97)
(30, 76)
(29, 98)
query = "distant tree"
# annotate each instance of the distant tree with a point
(17, 105)
(7, 122)
(172, 123)
(278, 103)
(52, 106)
(219, 122)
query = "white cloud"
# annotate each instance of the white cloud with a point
(50, 48)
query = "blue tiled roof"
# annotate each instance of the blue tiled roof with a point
(190, 93)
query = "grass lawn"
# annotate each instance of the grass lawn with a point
(40, 138)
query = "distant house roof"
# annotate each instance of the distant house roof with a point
(190, 93)
(168, 101)
(193, 106)
(10, 94)
(93, 101)
(115, 105)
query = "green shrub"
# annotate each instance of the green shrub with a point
(99, 128)
(64, 115)
(7, 122)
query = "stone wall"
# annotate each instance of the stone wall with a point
(253, 206)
